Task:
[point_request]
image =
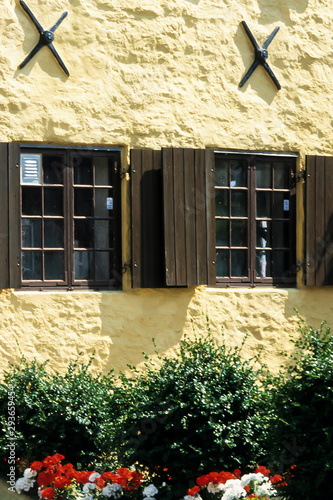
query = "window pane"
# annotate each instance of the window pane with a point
(239, 263)
(263, 175)
(281, 176)
(222, 263)
(221, 172)
(31, 233)
(222, 233)
(238, 203)
(83, 234)
(52, 169)
(263, 234)
(103, 234)
(31, 200)
(53, 201)
(222, 202)
(281, 205)
(263, 204)
(239, 233)
(281, 264)
(83, 201)
(238, 173)
(32, 265)
(102, 197)
(83, 170)
(54, 265)
(83, 262)
(102, 265)
(263, 263)
(280, 234)
(53, 233)
(103, 172)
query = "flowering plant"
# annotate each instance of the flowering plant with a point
(233, 486)
(56, 481)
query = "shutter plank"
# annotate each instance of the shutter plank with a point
(310, 220)
(14, 212)
(136, 174)
(210, 216)
(190, 217)
(201, 220)
(320, 221)
(329, 221)
(4, 216)
(180, 228)
(169, 216)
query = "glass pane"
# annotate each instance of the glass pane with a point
(102, 197)
(53, 169)
(238, 173)
(31, 200)
(281, 205)
(222, 233)
(263, 175)
(238, 203)
(263, 263)
(222, 263)
(281, 176)
(83, 202)
(83, 170)
(83, 265)
(54, 265)
(263, 204)
(53, 233)
(281, 264)
(83, 234)
(280, 234)
(53, 201)
(102, 265)
(239, 233)
(31, 233)
(221, 202)
(103, 234)
(239, 263)
(32, 265)
(263, 234)
(221, 172)
(103, 172)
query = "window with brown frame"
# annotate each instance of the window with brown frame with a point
(70, 218)
(255, 219)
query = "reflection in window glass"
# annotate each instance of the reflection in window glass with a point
(102, 265)
(221, 172)
(238, 173)
(281, 176)
(239, 263)
(83, 201)
(263, 175)
(221, 202)
(103, 173)
(222, 233)
(32, 265)
(54, 265)
(222, 263)
(238, 203)
(53, 233)
(263, 204)
(31, 233)
(263, 263)
(239, 233)
(31, 200)
(83, 170)
(83, 265)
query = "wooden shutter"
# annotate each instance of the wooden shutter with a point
(14, 212)
(319, 221)
(4, 274)
(189, 226)
(147, 220)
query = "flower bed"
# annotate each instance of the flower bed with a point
(56, 481)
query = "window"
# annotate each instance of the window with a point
(70, 218)
(255, 219)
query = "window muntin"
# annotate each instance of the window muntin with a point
(255, 219)
(70, 227)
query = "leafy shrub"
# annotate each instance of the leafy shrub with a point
(301, 431)
(197, 411)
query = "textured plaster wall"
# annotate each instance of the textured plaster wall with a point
(154, 74)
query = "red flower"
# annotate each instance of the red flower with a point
(45, 478)
(36, 466)
(54, 460)
(262, 469)
(193, 491)
(62, 481)
(48, 493)
(83, 476)
(237, 473)
(247, 488)
(109, 476)
(99, 481)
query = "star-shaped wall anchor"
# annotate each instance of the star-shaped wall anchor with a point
(46, 37)
(260, 56)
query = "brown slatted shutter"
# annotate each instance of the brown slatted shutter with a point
(147, 219)
(4, 273)
(319, 221)
(189, 228)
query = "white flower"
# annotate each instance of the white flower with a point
(89, 486)
(150, 491)
(94, 476)
(265, 489)
(196, 497)
(247, 478)
(28, 473)
(23, 484)
(233, 493)
(215, 488)
(149, 498)
(113, 490)
(87, 497)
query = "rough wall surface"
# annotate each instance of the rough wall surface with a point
(155, 74)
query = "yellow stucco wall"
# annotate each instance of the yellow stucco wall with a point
(154, 74)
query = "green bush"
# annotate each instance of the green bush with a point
(301, 430)
(69, 414)
(198, 411)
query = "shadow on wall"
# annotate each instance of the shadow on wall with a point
(130, 321)
(272, 11)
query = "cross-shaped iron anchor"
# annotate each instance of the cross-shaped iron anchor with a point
(46, 37)
(260, 56)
